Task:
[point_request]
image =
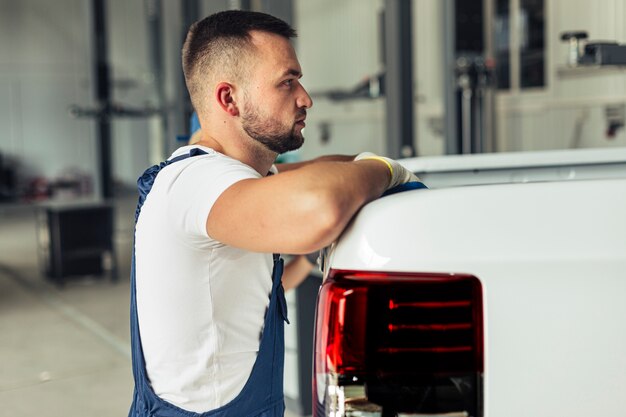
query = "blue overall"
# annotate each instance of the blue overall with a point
(262, 395)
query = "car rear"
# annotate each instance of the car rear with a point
(477, 301)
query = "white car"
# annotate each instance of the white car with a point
(498, 292)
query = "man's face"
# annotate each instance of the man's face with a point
(276, 134)
(275, 102)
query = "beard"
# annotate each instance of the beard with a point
(270, 132)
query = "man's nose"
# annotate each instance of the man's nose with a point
(304, 99)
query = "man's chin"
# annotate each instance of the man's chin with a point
(287, 149)
(297, 143)
(284, 144)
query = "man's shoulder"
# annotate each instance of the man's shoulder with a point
(203, 153)
(203, 166)
(187, 149)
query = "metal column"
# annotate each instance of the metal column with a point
(399, 78)
(488, 115)
(103, 97)
(449, 79)
(469, 79)
(190, 11)
(154, 14)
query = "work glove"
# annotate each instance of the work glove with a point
(399, 174)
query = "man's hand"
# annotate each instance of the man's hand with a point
(399, 174)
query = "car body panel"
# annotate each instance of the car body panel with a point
(551, 257)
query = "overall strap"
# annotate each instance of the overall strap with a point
(145, 182)
(277, 286)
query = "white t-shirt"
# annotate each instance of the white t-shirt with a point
(201, 304)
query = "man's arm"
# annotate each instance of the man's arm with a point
(326, 158)
(296, 270)
(298, 211)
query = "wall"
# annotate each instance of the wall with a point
(141, 142)
(133, 85)
(428, 76)
(570, 111)
(44, 68)
(338, 45)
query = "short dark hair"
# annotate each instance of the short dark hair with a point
(222, 41)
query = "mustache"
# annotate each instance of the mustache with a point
(301, 115)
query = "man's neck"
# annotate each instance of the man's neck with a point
(246, 150)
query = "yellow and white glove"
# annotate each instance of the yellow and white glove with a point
(399, 174)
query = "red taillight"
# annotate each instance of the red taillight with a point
(341, 351)
(399, 332)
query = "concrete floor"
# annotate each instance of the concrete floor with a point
(63, 352)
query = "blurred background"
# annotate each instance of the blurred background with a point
(92, 93)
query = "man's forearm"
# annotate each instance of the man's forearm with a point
(313, 204)
(325, 158)
(296, 271)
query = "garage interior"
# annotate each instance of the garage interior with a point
(92, 94)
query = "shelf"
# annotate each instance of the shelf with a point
(589, 70)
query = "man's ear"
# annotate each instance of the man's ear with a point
(225, 97)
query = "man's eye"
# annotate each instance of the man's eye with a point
(288, 82)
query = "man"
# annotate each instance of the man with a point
(208, 308)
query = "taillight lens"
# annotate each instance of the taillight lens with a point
(398, 343)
